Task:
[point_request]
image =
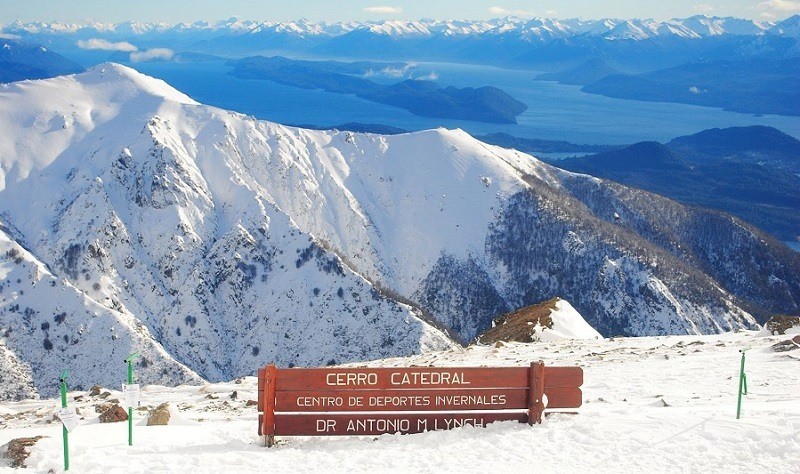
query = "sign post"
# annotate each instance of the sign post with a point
(372, 401)
(63, 384)
(130, 388)
(742, 384)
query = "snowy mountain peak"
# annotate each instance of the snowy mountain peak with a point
(55, 113)
(536, 29)
(113, 74)
(399, 28)
(788, 27)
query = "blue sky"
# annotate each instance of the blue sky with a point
(173, 11)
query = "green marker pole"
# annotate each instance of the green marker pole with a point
(742, 384)
(63, 381)
(129, 361)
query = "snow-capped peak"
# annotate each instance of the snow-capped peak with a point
(117, 75)
(788, 27)
(61, 110)
(400, 28)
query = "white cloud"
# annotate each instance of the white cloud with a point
(391, 71)
(9, 36)
(105, 45)
(163, 54)
(782, 6)
(697, 90)
(431, 76)
(703, 8)
(399, 72)
(384, 10)
(500, 11)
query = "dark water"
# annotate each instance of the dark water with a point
(555, 112)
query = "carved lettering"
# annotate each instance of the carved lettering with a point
(352, 378)
(320, 401)
(470, 400)
(428, 378)
(400, 401)
(324, 426)
(383, 425)
(355, 401)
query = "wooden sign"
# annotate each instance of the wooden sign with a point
(371, 401)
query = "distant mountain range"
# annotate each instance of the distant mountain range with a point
(636, 45)
(20, 61)
(740, 65)
(751, 172)
(132, 217)
(698, 26)
(758, 86)
(753, 85)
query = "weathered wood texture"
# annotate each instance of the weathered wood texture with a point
(369, 401)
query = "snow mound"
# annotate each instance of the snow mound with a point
(551, 320)
(567, 324)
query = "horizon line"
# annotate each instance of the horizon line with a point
(378, 21)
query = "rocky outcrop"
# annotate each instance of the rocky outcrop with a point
(159, 415)
(113, 414)
(17, 450)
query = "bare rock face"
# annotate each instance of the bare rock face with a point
(16, 450)
(787, 345)
(113, 414)
(159, 415)
(520, 325)
(780, 323)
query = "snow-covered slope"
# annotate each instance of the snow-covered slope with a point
(142, 200)
(49, 325)
(236, 242)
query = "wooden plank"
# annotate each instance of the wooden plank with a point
(564, 397)
(376, 424)
(536, 376)
(383, 378)
(562, 377)
(260, 401)
(400, 400)
(261, 390)
(270, 382)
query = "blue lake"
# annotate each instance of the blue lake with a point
(555, 112)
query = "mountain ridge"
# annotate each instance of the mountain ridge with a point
(699, 170)
(695, 26)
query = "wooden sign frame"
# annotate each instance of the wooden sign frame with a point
(371, 401)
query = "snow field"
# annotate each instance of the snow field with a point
(663, 404)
